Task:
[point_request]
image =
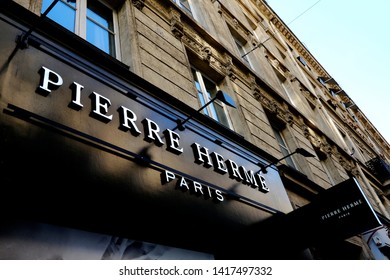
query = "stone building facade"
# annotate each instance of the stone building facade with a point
(284, 98)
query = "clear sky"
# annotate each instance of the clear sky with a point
(351, 40)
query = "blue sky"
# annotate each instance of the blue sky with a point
(351, 40)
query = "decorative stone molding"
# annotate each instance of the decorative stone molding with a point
(139, 4)
(318, 142)
(254, 41)
(287, 115)
(326, 148)
(305, 91)
(193, 41)
(354, 171)
(176, 24)
(333, 103)
(231, 71)
(222, 63)
(206, 53)
(255, 88)
(348, 166)
(272, 106)
(241, 30)
(281, 111)
(305, 129)
(279, 67)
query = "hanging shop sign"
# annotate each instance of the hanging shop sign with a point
(335, 214)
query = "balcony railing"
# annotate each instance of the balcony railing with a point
(379, 168)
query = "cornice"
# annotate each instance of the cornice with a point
(289, 35)
(295, 42)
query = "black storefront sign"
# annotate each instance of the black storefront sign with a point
(336, 214)
(83, 148)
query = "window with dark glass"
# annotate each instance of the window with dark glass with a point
(241, 50)
(240, 45)
(206, 90)
(302, 60)
(283, 146)
(90, 19)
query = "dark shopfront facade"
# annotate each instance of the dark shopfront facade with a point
(92, 159)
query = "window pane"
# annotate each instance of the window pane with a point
(100, 27)
(202, 102)
(242, 51)
(210, 87)
(100, 14)
(100, 37)
(186, 6)
(63, 13)
(221, 114)
(207, 90)
(283, 147)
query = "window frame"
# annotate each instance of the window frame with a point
(283, 147)
(242, 51)
(240, 44)
(188, 9)
(81, 19)
(211, 109)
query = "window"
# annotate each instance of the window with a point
(321, 80)
(240, 45)
(301, 60)
(206, 90)
(185, 5)
(90, 19)
(243, 53)
(327, 167)
(283, 147)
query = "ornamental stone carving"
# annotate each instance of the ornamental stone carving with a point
(256, 90)
(176, 24)
(206, 54)
(287, 115)
(193, 41)
(305, 129)
(139, 4)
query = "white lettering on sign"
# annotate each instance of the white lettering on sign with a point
(236, 172)
(128, 122)
(342, 211)
(193, 187)
(50, 80)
